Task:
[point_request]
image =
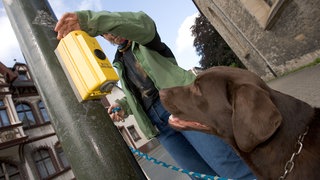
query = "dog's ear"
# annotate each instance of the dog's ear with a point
(255, 118)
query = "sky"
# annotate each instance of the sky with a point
(173, 19)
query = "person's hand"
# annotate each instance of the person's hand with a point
(67, 23)
(117, 115)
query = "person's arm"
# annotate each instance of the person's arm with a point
(135, 26)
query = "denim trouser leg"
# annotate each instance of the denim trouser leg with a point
(176, 144)
(192, 149)
(219, 155)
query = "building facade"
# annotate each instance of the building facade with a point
(29, 146)
(270, 37)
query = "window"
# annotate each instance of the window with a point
(22, 71)
(133, 132)
(23, 75)
(4, 118)
(25, 115)
(62, 158)
(9, 171)
(264, 11)
(43, 112)
(44, 163)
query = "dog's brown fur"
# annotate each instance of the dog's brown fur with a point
(261, 124)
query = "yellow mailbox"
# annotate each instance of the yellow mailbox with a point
(86, 66)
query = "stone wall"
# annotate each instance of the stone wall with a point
(270, 40)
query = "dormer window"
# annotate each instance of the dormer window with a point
(23, 75)
(22, 71)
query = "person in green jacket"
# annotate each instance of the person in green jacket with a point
(145, 65)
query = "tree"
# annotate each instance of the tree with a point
(212, 48)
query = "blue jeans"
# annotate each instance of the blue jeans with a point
(196, 151)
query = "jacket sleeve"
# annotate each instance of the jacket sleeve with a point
(135, 26)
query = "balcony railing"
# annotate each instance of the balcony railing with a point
(11, 135)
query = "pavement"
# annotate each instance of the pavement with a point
(158, 172)
(303, 84)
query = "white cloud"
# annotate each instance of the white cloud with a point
(185, 39)
(9, 47)
(60, 7)
(185, 52)
(91, 4)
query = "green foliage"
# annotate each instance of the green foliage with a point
(315, 62)
(211, 47)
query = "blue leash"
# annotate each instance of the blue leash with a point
(194, 174)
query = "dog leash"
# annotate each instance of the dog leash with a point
(194, 174)
(290, 164)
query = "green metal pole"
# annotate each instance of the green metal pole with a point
(90, 140)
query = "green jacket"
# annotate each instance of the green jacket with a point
(141, 30)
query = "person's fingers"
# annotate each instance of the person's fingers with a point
(112, 116)
(59, 24)
(115, 117)
(110, 110)
(118, 118)
(62, 32)
(118, 115)
(67, 23)
(65, 33)
(65, 30)
(59, 35)
(65, 17)
(121, 113)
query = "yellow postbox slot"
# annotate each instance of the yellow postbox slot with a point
(86, 66)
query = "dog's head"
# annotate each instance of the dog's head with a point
(228, 102)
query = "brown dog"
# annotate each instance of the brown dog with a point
(261, 124)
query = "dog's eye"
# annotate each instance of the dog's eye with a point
(174, 109)
(195, 88)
